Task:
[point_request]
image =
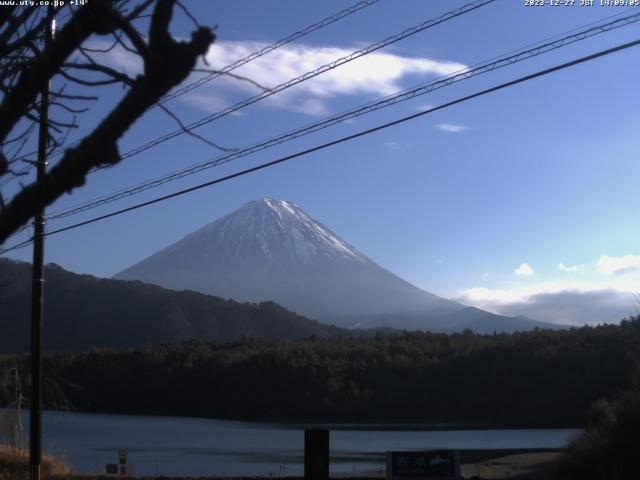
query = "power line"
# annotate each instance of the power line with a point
(386, 102)
(19, 173)
(17, 246)
(229, 68)
(352, 137)
(297, 80)
(308, 75)
(269, 48)
(19, 230)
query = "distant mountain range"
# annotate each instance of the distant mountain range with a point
(266, 254)
(480, 321)
(272, 250)
(82, 312)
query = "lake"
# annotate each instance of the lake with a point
(175, 446)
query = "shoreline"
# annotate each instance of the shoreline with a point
(531, 463)
(289, 423)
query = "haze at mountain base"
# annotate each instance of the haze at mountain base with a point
(272, 250)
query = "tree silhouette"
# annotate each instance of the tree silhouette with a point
(27, 64)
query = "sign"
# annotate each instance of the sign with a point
(119, 470)
(122, 456)
(431, 464)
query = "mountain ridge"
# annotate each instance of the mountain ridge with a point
(272, 250)
(82, 312)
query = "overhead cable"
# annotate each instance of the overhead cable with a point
(229, 68)
(373, 106)
(347, 138)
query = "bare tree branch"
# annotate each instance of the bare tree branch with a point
(92, 18)
(15, 22)
(188, 14)
(138, 10)
(234, 76)
(190, 132)
(95, 67)
(167, 63)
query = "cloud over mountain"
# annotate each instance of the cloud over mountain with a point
(571, 303)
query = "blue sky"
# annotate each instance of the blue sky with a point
(524, 201)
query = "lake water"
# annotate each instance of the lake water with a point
(175, 446)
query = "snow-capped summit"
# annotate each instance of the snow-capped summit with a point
(272, 250)
(276, 229)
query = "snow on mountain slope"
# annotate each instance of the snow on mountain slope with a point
(275, 227)
(272, 250)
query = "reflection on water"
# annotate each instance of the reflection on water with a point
(193, 446)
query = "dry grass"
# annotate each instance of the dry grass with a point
(16, 467)
(608, 448)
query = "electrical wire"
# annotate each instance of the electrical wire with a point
(17, 246)
(383, 103)
(269, 48)
(308, 75)
(229, 68)
(362, 133)
(297, 80)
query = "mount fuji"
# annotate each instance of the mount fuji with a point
(272, 250)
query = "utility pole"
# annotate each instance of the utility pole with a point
(37, 286)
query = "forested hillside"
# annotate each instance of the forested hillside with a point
(83, 311)
(539, 378)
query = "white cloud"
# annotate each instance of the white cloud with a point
(618, 265)
(377, 73)
(524, 270)
(451, 128)
(116, 57)
(569, 302)
(569, 268)
(425, 106)
(574, 300)
(312, 106)
(207, 102)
